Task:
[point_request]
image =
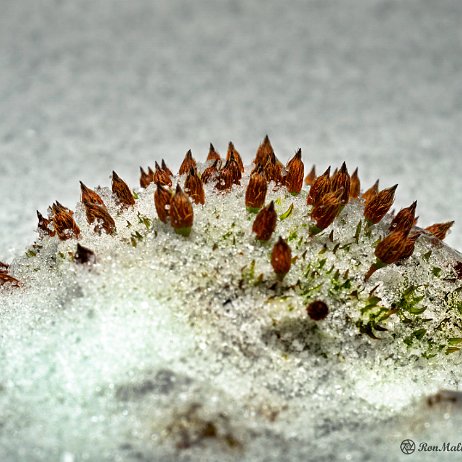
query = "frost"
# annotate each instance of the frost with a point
(174, 348)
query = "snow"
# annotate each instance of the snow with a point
(183, 349)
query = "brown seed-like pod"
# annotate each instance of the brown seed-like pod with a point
(355, 185)
(224, 180)
(88, 195)
(187, 164)
(295, 171)
(181, 212)
(410, 245)
(389, 250)
(265, 222)
(4, 267)
(58, 208)
(63, 222)
(371, 192)
(237, 156)
(404, 220)
(213, 155)
(377, 207)
(281, 258)
(145, 178)
(325, 211)
(255, 193)
(162, 198)
(161, 176)
(311, 177)
(264, 152)
(317, 310)
(99, 214)
(43, 224)
(320, 187)
(273, 169)
(194, 188)
(84, 256)
(166, 169)
(7, 279)
(151, 175)
(440, 230)
(211, 172)
(341, 181)
(391, 247)
(122, 191)
(233, 166)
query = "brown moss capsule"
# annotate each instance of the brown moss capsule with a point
(391, 247)
(162, 197)
(265, 222)
(355, 185)
(213, 155)
(166, 169)
(161, 176)
(281, 258)
(224, 180)
(311, 177)
(295, 171)
(317, 310)
(236, 155)
(181, 212)
(340, 181)
(63, 222)
(377, 207)
(325, 211)
(410, 245)
(320, 187)
(43, 224)
(264, 152)
(7, 279)
(273, 169)
(440, 230)
(187, 164)
(151, 175)
(211, 172)
(194, 188)
(255, 193)
(88, 195)
(84, 256)
(122, 191)
(404, 220)
(145, 178)
(233, 166)
(99, 214)
(389, 250)
(371, 192)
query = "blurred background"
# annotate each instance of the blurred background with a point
(90, 86)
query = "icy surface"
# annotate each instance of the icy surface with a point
(174, 348)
